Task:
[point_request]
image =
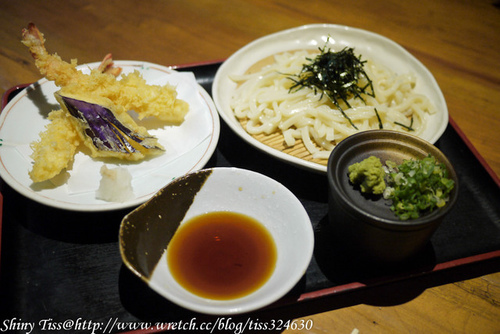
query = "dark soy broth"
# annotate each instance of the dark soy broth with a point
(222, 255)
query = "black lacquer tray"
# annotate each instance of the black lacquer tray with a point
(61, 265)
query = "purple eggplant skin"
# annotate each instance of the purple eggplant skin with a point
(105, 130)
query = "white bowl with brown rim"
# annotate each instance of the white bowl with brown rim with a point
(146, 232)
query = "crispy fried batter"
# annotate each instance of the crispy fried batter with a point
(57, 146)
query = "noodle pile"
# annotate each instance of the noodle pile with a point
(308, 125)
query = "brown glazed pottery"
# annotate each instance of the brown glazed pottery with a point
(365, 224)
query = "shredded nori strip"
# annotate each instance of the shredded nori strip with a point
(407, 127)
(380, 126)
(336, 74)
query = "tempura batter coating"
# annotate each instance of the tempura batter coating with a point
(56, 148)
(132, 92)
(100, 86)
(92, 136)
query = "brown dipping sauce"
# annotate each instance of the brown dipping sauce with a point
(222, 255)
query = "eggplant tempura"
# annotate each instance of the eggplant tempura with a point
(95, 111)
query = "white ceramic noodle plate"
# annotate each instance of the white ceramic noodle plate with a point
(368, 44)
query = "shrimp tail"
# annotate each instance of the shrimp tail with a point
(51, 66)
(33, 38)
(107, 66)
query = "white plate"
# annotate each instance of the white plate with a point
(188, 146)
(368, 44)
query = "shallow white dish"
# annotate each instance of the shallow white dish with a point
(146, 232)
(370, 45)
(188, 146)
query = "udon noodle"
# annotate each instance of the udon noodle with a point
(264, 104)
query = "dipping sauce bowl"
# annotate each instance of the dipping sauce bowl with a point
(147, 232)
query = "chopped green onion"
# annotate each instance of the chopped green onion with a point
(417, 186)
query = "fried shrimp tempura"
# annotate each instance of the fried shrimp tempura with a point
(56, 148)
(50, 66)
(95, 110)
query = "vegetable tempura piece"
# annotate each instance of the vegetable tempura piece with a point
(130, 93)
(105, 134)
(161, 102)
(96, 108)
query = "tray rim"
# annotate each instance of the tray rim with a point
(343, 288)
(404, 275)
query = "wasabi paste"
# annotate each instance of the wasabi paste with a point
(369, 175)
